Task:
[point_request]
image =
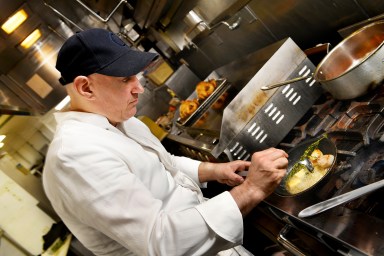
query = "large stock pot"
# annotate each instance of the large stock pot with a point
(354, 67)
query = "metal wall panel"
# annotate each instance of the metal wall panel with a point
(214, 11)
(371, 7)
(308, 23)
(223, 45)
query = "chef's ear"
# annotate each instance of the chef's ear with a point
(82, 85)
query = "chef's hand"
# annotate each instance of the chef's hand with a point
(267, 169)
(223, 172)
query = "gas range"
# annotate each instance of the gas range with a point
(357, 129)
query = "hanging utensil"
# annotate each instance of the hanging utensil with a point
(335, 201)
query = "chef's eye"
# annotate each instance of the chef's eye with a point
(127, 79)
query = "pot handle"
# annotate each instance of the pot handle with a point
(340, 199)
(269, 87)
(284, 242)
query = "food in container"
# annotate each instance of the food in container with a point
(322, 153)
(187, 107)
(205, 88)
(302, 178)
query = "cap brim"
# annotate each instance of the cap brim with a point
(129, 64)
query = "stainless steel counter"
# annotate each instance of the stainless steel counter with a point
(346, 231)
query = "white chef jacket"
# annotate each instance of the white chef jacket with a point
(108, 186)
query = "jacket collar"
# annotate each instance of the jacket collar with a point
(84, 117)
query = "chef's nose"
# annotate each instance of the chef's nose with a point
(138, 87)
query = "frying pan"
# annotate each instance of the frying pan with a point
(354, 67)
(325, 145)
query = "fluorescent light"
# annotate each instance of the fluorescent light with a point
(2, 137)
(1, 144)
(31, 39)
(14, 21)
(62, 104)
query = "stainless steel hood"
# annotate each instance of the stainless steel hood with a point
(28, 78)
(213, 12)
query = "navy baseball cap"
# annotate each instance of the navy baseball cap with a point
(99, 51)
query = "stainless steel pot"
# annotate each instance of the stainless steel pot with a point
(354, 67)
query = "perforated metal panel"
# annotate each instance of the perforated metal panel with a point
(257, 120)
(277, 117)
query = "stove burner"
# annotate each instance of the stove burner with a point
(375, 94)
(366, 167)
(325, 115)
(355, 127)
(373, 174)
(347, 142)
(363, 117)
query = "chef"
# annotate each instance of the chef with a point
(116, 187)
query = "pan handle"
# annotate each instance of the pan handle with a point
(269, 87)
(286, 244)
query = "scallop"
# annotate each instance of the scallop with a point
(316, 154)
(325, 161)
